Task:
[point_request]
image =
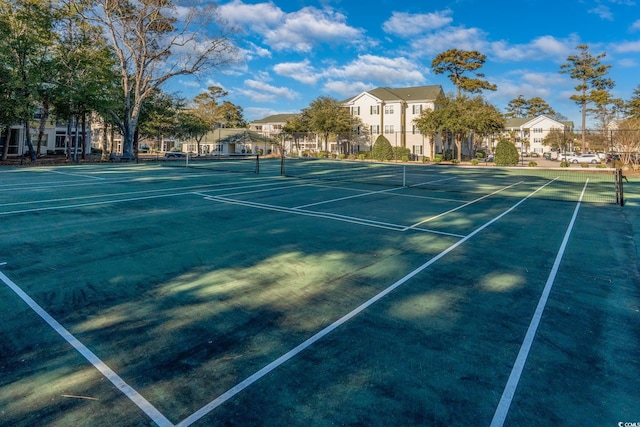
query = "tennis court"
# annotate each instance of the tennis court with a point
(143, 294)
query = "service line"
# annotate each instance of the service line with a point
(327, 330)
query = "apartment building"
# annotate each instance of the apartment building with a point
(55, 138)
(529, 133)
(391, 111)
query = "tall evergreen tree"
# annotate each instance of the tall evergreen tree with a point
(592, 81)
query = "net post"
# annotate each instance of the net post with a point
(404, 176)
(282, 171)
(257, 164)
(187, 160)
(619, 187)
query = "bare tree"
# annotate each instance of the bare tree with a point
(154, 41)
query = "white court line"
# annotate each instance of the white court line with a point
(325, 215)
(115, 379)
(79, 175)
(211, 187)
(324, 332)
(369, 193)
(502, 409)
(463, 206)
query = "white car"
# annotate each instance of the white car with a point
(562, 157)
(585, 158)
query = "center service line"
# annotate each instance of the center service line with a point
(327, 330)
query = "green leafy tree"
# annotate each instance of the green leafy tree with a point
(192, 126)
(633, 105)
(522, 108)
(326, 116)
(593, 85)
(456, 63)
(382, 149)
(153, 43)
(558, 140)
(297, 127)
(506, 154)
(26, 29)
(460, 117)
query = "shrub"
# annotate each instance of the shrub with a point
(584, 165)
(601, 166)
(454, 161)
(564, 164)
(437, 158)
(401, 152)
(352, 156)
(474, 162)
(382, 149)
(342, 156)
(532, 164)
(260, 152)
(426, 159)
(506, 154)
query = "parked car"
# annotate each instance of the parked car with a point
(534, 154)
(565, 156)
(585, 158)
(174, 154)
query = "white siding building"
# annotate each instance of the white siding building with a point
(530, 132)
(391, 111)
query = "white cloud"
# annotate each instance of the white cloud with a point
(603, 12)
(627, 63)
(627, 47)
(635, 26)
(298, 31)
(346, 88)
(450, 38)
(406, 25)
(300, 71)
(303, 29)
(541, 48)
(380, 69)
(259, 91)
(256, 17)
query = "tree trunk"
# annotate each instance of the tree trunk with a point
(84, 136)
(105, 147)
(27, 139)
(5, 144)
(43, 123)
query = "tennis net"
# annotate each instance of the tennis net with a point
(602, 185)
(241, 164)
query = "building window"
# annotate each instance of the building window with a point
(388, 109)
(375, 129)
(355, 111)
(375, 109)
(388, 128)
(417, 150)
(417, 109)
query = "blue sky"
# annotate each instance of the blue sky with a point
(294, 51)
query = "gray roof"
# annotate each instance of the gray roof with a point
(516, 122)
(276, 118)
(407, 94)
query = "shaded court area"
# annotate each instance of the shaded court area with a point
(147, 295)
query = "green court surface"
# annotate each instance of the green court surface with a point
(140, 294)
